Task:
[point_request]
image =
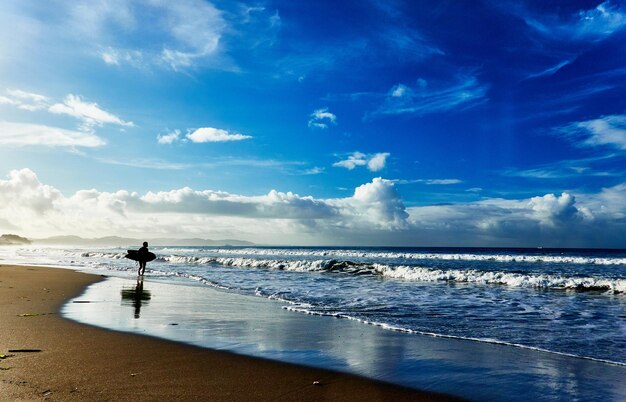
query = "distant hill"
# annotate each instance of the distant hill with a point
(126, 241)
(11, 240)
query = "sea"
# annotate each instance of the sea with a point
(566, 303)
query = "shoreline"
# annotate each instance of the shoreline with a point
(81, 362)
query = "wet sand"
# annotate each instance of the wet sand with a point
(79, 362)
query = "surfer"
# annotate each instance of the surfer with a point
(142, 253)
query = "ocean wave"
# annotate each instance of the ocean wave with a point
(556, 259)
(93, 254)
(418, 274)
(285, 265)
(401, 272)
(346, 254)
(540, 281)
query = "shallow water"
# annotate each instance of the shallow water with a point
(213, 318)
(570, 302)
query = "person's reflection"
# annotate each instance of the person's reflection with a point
(136, 296)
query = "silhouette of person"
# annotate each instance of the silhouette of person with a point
(142, 253)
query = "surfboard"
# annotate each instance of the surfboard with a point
(134, 255)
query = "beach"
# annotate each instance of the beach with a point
(79, 362)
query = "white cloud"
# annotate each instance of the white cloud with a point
(606, 130)
(462, 93)
(321, 118)
(24, 100)
(110, 56)
(550, 70)
(211, 134)
(23, 191)
(444, 182)
(89, 113)
(179, 34)
(374, 214)
(399, 90)
(169, 137)
(549, 220)
(21, 134)
(197, 27)
(33, 97)
(594, 24)
(380, 201)
(312, 171)
(551, 209)
(354, 160)
(374, 206)
(377, 161)
(143, 163)
(374, 162)
(117, 57)
(590, 166)
(602, 20)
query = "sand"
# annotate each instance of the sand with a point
(79, 362)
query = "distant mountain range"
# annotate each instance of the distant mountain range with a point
(12, 240)
(7, 239)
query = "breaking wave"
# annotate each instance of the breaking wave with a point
(418, 274)
(401, 272)
(562, 259)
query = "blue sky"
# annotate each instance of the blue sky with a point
(479, 123)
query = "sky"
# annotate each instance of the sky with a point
(390, 123)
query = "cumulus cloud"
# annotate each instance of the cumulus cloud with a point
(89, 113)
(374, 214)
(380, 200)
(23, 191)
(549, 220)
(22, 134)
(551, 209)
(211, 134)
(169, 137)
(374, 206)
(321, 118)
(377, 161)
(374, 162)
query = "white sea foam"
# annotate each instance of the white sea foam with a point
(421, 274)
(543, 281)
(505, 258)
(559, 259)
(90, 254)
(403, 272)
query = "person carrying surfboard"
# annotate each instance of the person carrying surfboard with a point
(143, 255)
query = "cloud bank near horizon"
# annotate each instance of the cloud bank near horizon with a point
(375, 214)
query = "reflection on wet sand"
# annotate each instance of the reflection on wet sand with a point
(260, 327)
(135, 296)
